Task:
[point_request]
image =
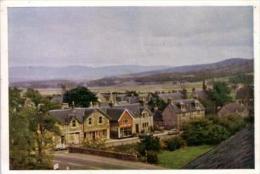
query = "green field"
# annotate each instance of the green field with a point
(177, 159)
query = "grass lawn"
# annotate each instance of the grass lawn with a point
(177, 159)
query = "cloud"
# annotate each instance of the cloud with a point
(101, 36)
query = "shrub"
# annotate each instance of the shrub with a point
(98, 144)
(204, 131)
(149, 143)
(216, 134)
(152, 157)
(196, 132)
(175, 143)
(232, 123)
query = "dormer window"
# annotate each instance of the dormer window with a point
(74, 123)
(100, 120)
(89, 121)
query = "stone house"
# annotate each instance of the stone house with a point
(129, 120)
(233, 108)
(180, 111)
(168, 97)
(81, 124)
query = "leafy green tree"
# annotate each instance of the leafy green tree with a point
(216, 134)
(220, 94)
(232, 123)
(20, 137)
(31, 130)
(243, 78)
(80, 96)
(204, 131)
(155, 101)
(175, 143)
(149, 143)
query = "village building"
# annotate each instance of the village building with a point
(168, 97)
(79, 125)
(201, 95)
(180, 111)
(233, 108)
(129, 120)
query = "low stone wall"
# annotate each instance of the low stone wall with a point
(117, 155)
(122, 142)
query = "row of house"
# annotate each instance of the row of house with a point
(79, 125)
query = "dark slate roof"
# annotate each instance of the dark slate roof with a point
(135, 109)
(171, 96)
(200, 94)
(65, 115)
(189, 105)
(231, 108)
(237, 152)
(60, 115)
(245, 92)
(114, 113)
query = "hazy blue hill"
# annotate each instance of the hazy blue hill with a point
(33, 73)
(125, 74)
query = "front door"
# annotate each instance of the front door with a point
(93, 135)
(76, 138)
(137, 128)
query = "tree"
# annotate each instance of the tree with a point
(243, 78)
(204, 131)
(155, 101)
(80, 96)
(31, 130)
(220, 94)
(149, 143)
(204, 86)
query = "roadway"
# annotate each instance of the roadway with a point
(93, 162)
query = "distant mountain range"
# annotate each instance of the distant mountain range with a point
(189, 73)
(125, 74)
(74, 73)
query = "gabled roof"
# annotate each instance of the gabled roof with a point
(245, 92)
(231, 108)
(65, 115)
(170, 96)
(188, 104)
(200, 94)
(135, 109)
(114, 113)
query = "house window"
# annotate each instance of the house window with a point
(85, 134)
(74, 123)
(89, 121)
(126, 121)
(100, 120)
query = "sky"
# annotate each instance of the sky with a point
(101, 36)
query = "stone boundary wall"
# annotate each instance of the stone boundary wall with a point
(117, 155)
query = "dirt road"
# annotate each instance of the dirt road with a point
(86, 161)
